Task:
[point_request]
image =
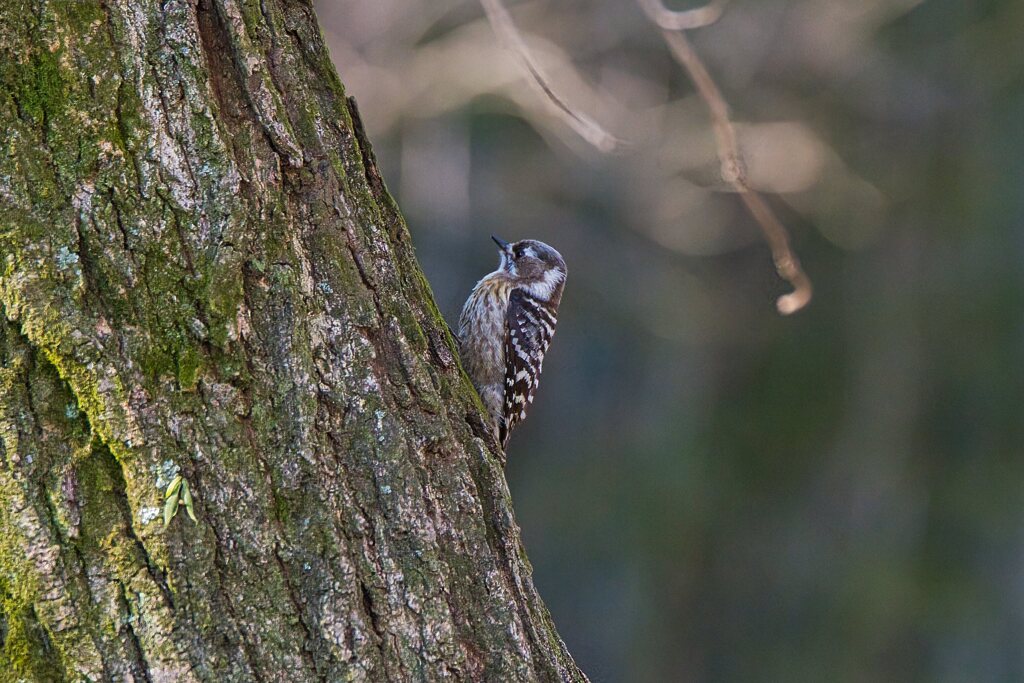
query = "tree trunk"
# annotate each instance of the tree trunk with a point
(202, 274)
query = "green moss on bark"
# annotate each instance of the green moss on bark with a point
(202, 262)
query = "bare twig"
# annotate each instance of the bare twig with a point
(733, 169)
(585, 127)
(685, 19)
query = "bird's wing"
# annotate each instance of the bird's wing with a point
(529, 326)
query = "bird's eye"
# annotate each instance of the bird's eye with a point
(518, 251)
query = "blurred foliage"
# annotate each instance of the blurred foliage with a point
(708, 491)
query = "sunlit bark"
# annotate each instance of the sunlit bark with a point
(202, 274)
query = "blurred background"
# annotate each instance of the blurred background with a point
(709, 491)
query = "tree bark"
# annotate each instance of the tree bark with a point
(202, 274)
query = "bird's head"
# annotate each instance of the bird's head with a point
(534, 266)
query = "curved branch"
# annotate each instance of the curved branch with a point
(586, 127)
(733, 171)
(682, 20)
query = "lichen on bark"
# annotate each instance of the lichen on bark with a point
(202, 273)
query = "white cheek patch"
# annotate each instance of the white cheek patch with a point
(545, 287)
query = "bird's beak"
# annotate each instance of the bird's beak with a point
(502, 244)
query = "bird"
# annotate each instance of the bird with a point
(506, 327)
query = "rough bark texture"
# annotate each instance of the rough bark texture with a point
(202, 273)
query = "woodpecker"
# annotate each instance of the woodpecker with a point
(506, 326)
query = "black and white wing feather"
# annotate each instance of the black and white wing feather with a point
(529, 327)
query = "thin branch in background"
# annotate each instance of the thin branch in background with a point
(733, 169)
(682, 20)
(585, 127)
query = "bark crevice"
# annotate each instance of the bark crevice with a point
(198, 241)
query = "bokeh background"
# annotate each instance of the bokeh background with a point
(709, 491)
